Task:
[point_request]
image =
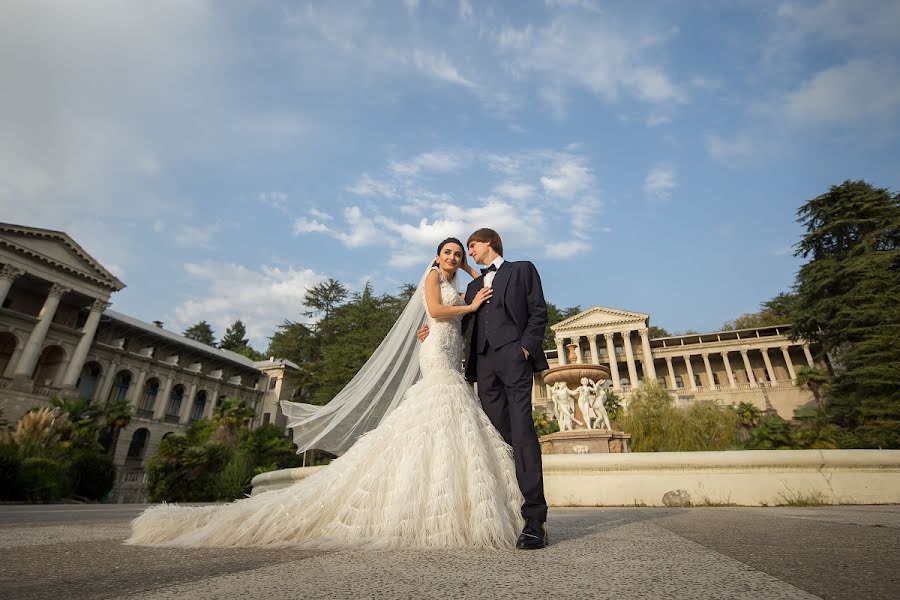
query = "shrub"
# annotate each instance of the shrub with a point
(543, 425)
(93, 475)
(10, 472)
(234, 480)
(43, 479)
(657, 425)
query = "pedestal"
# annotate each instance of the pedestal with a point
(585, 441)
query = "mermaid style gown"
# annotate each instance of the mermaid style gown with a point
(434, 474)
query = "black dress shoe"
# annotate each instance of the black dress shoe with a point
(533, 536)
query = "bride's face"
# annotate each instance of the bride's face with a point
(450, 257)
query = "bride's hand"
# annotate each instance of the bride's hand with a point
(480, 298)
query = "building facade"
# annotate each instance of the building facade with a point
(59, 337)
(756, 365)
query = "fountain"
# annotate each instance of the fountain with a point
(578, 392)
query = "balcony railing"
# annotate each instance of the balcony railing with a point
(171, 419)
(144, 413)
(43, 390)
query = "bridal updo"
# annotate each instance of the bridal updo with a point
(449, 240)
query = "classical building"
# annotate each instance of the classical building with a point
(756, 365)
(59, 337)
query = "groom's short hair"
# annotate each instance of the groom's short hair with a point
(487, 236)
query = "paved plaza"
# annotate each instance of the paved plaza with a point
(69, 551)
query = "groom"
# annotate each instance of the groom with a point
(505, 348)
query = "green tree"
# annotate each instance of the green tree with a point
(658, 332)
(201, 332)
(321, 299)
(847, 303)
(299, 344)
(777, 311)
(116, 417)
(235, 337)
(816, 381)
(554, 316)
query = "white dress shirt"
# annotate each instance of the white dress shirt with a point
(489, 277)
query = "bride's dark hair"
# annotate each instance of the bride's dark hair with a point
(450, 240)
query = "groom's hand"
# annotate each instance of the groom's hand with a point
(422, 333)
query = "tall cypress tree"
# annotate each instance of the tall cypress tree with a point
(847, 301)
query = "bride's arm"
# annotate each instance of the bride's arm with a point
(473, 273)
(442, 311)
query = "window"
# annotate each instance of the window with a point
(272, 383)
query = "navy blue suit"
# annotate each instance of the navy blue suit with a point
(514, 318)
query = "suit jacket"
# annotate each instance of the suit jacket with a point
(518, 300)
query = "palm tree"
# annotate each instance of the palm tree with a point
(748, 418)
(116, 417)
(816, 381)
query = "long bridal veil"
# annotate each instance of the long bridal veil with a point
(372, 393)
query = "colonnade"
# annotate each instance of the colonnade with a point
(670, 357)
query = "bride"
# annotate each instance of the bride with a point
(433, 473)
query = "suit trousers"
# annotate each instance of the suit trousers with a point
(504, 388)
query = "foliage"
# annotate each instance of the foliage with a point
(10, 471)
(201, 332)
(554, 316)
(215, 459)
(658, 332)
(93, 474)
(116, 417)
(847, 303)
(321, 299)
(773, 433)
(235, 341)
(43, 479)
(38, 430)
(657, 425)
(613, 405)
(543, 425)
(816, 381)
(777, 311)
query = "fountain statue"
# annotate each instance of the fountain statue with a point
(580, 410)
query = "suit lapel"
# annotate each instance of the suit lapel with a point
(500, 280)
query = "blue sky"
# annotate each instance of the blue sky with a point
(220, 157)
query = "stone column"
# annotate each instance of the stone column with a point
(162, 399)
(8, 274)
(560, 351)
(671, 373)
(750, 377)
(106, 384)
(649, 368)
(690, 372)
(629, 356)
(595, 354)
(32, 348)
(84, 344)
(212, 397)
(187, 405)
(787, 361)
(613, 365)
(808, 354)
(731, 379)
(579, 357)
(768, 361)
(709, 373)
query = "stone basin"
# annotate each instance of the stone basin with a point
(572, 374)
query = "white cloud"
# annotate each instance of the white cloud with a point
(363, 230)
(302, 225)
(846, 94)
(660, 182)
(565, 249)
(202, 236)
(569, 178)
(515, 191)
(277, 200)
(434, 162)
(465, 9)
(872, 23)
(738, 147)
(318, 214)
(262, 298)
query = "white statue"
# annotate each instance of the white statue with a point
(561, 396)
(585, 393)
(598, 404)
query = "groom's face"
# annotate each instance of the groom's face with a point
(479, 251)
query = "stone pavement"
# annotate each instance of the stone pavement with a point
(65, 551)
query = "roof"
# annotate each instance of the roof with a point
(152, 329)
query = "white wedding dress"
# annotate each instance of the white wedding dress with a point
(434, 474)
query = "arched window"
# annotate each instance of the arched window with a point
(174, 408)
(121, 383)
(148, 398)
(89, 379)
(138, 447)
(48, 366)
(199, 406)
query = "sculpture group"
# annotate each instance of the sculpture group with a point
(590, 396)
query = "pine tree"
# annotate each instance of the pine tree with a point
(201, 332)
(234, 338)
(846, 300)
